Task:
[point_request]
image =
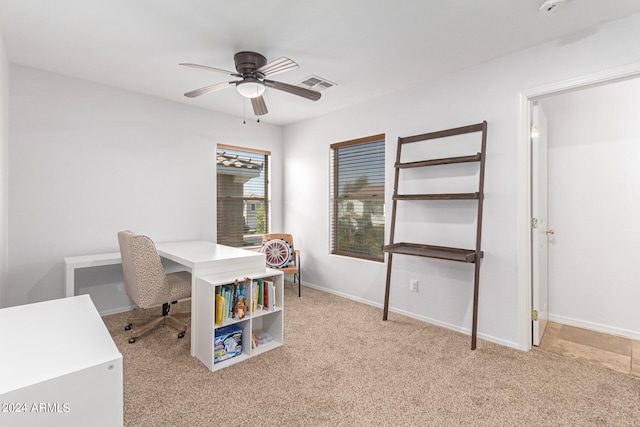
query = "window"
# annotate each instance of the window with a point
(242, 195)
(357, 198)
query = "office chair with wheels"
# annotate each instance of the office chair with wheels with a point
(281, 255)
(148, 286)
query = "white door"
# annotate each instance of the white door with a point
(539, 227)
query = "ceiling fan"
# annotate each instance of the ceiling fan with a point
(252, 68)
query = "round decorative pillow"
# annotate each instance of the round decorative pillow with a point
(277, 252)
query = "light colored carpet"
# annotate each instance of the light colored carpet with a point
(341, 365)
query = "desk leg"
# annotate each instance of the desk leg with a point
(69, 281)
(194, 316)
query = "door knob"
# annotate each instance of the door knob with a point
(550, 231)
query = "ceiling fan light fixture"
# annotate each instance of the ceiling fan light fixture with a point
(250, 88)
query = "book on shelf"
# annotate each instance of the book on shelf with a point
(265, 294)
(260, 293)
(254, 295)
(219, 309)
(227, 292)
(271, 291)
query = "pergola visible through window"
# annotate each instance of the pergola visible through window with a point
(242, 195)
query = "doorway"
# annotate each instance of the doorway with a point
(525, 253)
(613, 352)
(591, 145)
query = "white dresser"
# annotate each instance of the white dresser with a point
(59, 366)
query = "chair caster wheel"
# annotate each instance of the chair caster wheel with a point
(181, 334)
(128, 327)
(132, 340)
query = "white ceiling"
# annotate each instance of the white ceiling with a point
(368, 47)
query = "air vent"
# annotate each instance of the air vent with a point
(315, 83)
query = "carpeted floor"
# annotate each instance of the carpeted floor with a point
(341, 365)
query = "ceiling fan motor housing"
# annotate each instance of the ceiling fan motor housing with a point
(248, 62)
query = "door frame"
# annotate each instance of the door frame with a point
(523, 232)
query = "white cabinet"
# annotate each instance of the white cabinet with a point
(255, 321)
(59, 366)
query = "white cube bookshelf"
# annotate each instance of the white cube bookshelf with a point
(271, 322)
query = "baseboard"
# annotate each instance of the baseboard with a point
(116, 310)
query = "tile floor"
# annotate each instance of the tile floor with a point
(613, 352)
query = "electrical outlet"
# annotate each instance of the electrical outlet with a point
(413, 285)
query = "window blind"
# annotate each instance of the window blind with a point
(357, 198)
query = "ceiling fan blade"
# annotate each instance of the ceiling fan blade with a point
(279, 65)
(204, 67)
(294, 90)
(209, 89)
(259, 107)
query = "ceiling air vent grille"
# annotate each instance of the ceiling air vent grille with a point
(315, 83)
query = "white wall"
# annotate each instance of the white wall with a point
(4, 172)
(594, 147)
(87, 161)
(488, 92)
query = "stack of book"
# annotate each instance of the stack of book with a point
(227, 299)
(263, 295)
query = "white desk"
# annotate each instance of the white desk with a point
(200, 257)
(85, 261)
(60, 354)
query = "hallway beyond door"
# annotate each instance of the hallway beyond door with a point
(613, 352)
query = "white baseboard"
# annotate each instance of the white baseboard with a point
(116, 310)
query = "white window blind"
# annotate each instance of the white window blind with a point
(243, 202)
(357, 198)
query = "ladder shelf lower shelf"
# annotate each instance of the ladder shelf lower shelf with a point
(431, 251)
(443, 196)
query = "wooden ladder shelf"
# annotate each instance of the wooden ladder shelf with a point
(431, 251)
